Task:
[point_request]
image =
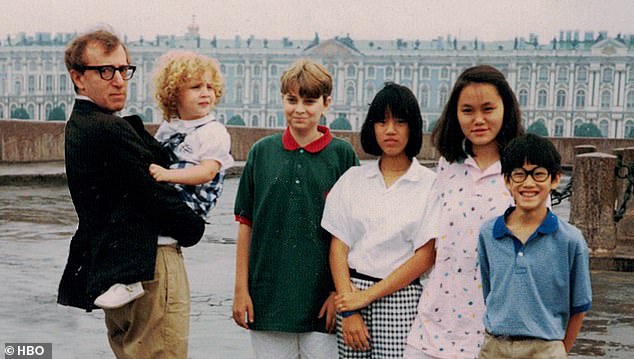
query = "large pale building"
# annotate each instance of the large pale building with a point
(566, 82)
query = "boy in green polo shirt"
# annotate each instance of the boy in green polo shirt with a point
(283, 288)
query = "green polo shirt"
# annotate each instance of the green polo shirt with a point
(281, 196)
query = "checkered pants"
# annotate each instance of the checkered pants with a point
(388, 319)
(200, 198)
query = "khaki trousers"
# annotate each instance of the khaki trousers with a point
(495, 348)
(156, 325)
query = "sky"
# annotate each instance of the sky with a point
(361, 19)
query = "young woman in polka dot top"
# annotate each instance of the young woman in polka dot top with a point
(480, 118)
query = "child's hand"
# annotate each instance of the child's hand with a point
(328, 308)
(159, 173)
(352, 301)
(243, 310)
(355, 332)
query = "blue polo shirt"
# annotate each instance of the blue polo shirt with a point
(532, 289)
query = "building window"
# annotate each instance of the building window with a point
(62, 83)
(331, 70)
(630, 100)
(369, 92)
(442, 97)
(559, 127)
(523, 97)
(424, 97)
(255, 121)
(629, 129)
(371, 71)
(240, 70)
(607, 75)
(17, 88)
(256, 70)
(525, 74)
(238, 94)
(425, 73)
(582, 74)
(273, 94)
(133, 91)
(351, 71)
(48, 110)
(578, 123)
(349, 95)
(256, 93)
(444, 73)
(149, 115)
(543, 73)
(407, 72)
(562, 74)
(542, 98)
(31, 110)
(630, 73)
(31, 84)
(561, 99)
(49, 83)
(606, 98)
(604, 127)
(389, 72)
(273, 70)
(580, 99)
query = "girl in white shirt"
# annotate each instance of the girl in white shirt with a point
(480, 118)
(380, 218)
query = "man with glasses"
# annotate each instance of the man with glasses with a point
(122, 209)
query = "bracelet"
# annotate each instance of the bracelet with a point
(350, 313)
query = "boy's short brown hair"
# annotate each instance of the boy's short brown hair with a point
(308, 78)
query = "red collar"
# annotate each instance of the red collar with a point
(289, 143)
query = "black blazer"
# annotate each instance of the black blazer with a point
(121, 208)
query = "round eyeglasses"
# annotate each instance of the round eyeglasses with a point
(539, 174)
(106, 72)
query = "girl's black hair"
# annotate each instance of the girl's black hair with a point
(400, 102)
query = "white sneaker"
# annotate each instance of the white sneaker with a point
(119, 295)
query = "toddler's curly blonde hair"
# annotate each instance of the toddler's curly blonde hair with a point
(174, 70)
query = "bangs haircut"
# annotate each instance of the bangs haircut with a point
(530, 149)
(447, 136)
(308, 78)
(399, 102)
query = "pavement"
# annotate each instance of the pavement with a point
(37, 220)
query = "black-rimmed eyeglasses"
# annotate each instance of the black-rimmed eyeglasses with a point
(106, 72)
(539, 174)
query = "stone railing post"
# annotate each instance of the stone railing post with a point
(592, 202)
(625, 227)
(581, 149)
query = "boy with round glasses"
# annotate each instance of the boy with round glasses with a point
(534, 266)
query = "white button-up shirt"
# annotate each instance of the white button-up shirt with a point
(449, 321)
(382, 226)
